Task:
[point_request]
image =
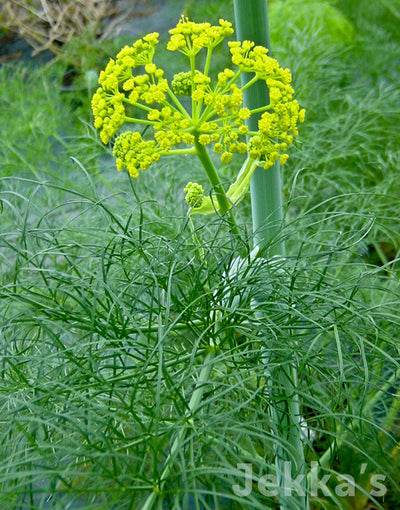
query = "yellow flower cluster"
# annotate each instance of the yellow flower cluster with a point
(171, 128)
(140, 53)
(132, 152)
(278, 124)
(133, 83)
(228, 131)
(148, 88)
(274, 135)
(250, 58)
(108, 102)
(109, 113)
(189, 37)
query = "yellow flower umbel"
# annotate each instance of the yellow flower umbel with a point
(134, 90)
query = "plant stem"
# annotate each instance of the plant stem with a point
(139, 121)
(199, 247)
(220, 194)
(208, 60)
(178, 104)
(285, 414)
(189, 150)
(266, 189)
(180, 437)
(267, 210)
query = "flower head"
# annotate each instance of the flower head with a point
(133, 89)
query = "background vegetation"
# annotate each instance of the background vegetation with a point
(106, 310)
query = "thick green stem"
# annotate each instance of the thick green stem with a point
(267, 209)
(266, 189)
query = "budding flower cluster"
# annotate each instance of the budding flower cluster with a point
(133, 89)
(194, 194)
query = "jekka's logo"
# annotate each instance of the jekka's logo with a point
(312, 483)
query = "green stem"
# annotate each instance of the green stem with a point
(139, 121)
(177, 152)
(199, 247)
(261, 109)
(208, 60)
(181, 435)
(266, 188)
(249, 83)
(267, 209)
(220, 194)
(138, 105)
(233, 80)
(285, 414)
(178, 104)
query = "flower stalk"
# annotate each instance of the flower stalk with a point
(218, 188)
(176, 446)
